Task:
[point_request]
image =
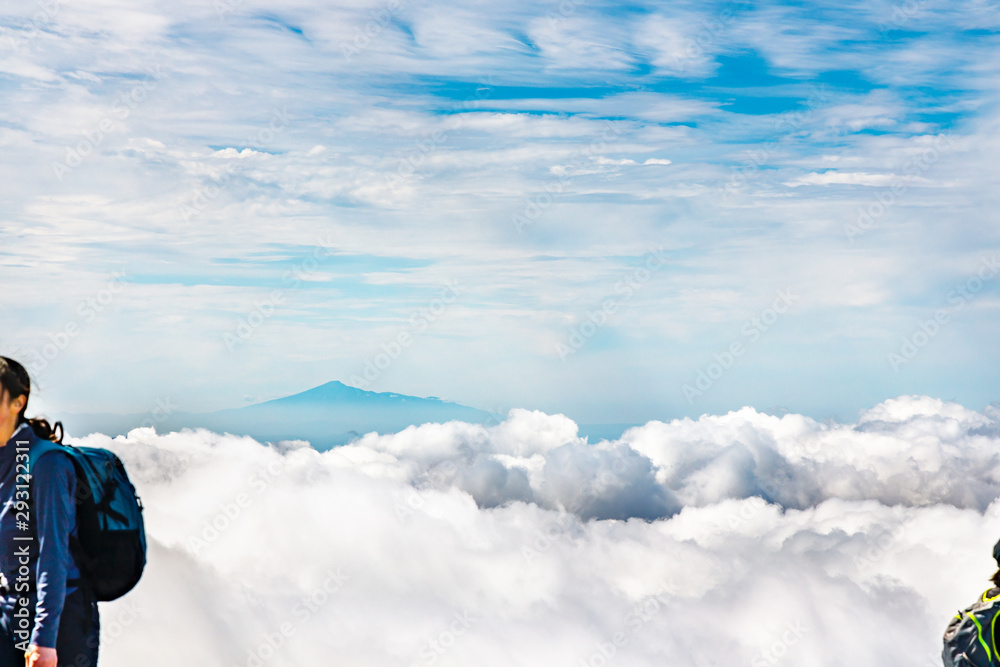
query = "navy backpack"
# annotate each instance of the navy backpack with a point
(110, 544)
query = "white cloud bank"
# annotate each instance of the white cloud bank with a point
(737, 539)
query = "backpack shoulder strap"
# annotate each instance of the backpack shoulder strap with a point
(983, 615)
(40, 448)
(37, 451)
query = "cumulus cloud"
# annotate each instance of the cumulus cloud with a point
(741, 538)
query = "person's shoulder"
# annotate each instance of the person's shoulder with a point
(53, 474)
(991, 595)
(23, 434)
(49, 458)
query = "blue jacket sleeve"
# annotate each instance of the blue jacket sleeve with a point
(54, 504)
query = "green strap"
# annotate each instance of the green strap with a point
(993, 632)
(979, 634)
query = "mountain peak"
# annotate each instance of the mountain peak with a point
(328, 415)
(335, 390)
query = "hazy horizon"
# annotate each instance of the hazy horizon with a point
(166, 407)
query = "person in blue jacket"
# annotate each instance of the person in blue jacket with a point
(48, 616)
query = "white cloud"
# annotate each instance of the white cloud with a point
(457, 33)
(230, 153)
(23, 68)
(601, 160)
(577, 43)
(682, 46)
(833, 177)
(448, 544)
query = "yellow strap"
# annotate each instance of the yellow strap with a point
(979, 628)
(993, 631)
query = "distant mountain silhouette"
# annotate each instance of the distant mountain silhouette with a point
(327, 416)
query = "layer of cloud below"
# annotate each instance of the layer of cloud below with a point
(736, 539)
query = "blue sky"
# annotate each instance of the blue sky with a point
(576, 207)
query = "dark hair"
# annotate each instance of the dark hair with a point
(15, 382)
(996, 579)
